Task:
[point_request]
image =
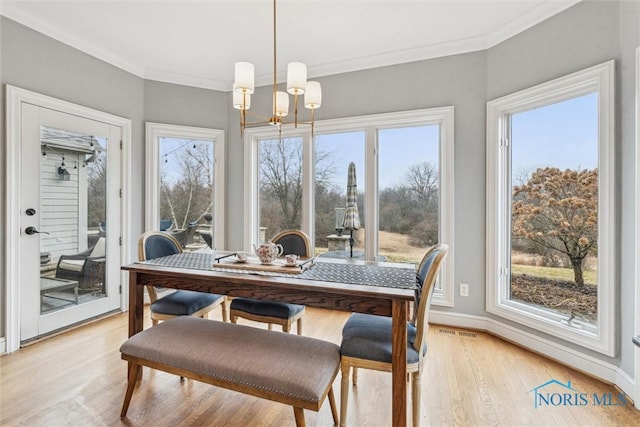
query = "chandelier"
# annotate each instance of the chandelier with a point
(297, 85)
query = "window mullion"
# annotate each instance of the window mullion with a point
(371, 193)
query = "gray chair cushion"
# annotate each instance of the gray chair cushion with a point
(183, 303)
(368, 336)
(280, 310)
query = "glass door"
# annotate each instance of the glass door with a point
(70, 225)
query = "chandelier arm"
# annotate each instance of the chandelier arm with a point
(242, 123)
(258, 117)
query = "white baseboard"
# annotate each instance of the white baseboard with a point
(568, 356)
(3, 345)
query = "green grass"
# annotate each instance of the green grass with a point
(590, 277)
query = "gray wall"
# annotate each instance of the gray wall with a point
(183, 105)
(587, 34)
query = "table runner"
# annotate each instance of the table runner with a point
(357, 274)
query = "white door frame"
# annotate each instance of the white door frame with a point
(15, 98)
(636, 350)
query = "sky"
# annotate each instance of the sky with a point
(399, 149)
(170, 151)
(564, 135)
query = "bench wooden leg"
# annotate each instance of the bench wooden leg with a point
(299, 414)
(133, 378)
(299, 323)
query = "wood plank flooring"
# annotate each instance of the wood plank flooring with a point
(471, 379)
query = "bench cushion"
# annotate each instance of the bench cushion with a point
(281, 364)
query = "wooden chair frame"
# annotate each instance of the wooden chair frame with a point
(153, 292)
(414, 370)
(303, 236)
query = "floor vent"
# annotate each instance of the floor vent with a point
(466, 334)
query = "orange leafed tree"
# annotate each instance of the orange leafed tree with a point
(558, 210)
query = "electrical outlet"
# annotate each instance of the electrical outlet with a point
(464, 289)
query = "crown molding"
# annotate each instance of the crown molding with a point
(186, 80)
(524, 22)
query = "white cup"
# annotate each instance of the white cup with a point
(291, 258)
(241, 256)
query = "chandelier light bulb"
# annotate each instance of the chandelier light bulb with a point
(244, 73)
(241, 101)
(281, 104)
(296, 78)
(313, 95)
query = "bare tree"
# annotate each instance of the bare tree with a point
(188, 197)
(281, 182)
(412, 206)
(281, 179)
(422, 182)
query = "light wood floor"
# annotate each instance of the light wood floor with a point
(471, 379)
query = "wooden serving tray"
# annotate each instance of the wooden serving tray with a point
(254, 264)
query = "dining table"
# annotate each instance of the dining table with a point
(380, 288)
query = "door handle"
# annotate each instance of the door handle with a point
(32, 230)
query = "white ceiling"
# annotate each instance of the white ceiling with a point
(197, 42)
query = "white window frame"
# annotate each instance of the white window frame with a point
(155, 131)
(371, 124)
(600, 79)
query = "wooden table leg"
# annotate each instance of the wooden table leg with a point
(399, 364)
(136, 309)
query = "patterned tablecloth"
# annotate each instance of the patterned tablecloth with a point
(357, 274)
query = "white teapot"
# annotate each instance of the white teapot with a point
(268, 252)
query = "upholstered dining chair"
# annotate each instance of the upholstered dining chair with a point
(156, 244)
(272, 312)
(366, 338)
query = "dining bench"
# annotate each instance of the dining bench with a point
(285, 368)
